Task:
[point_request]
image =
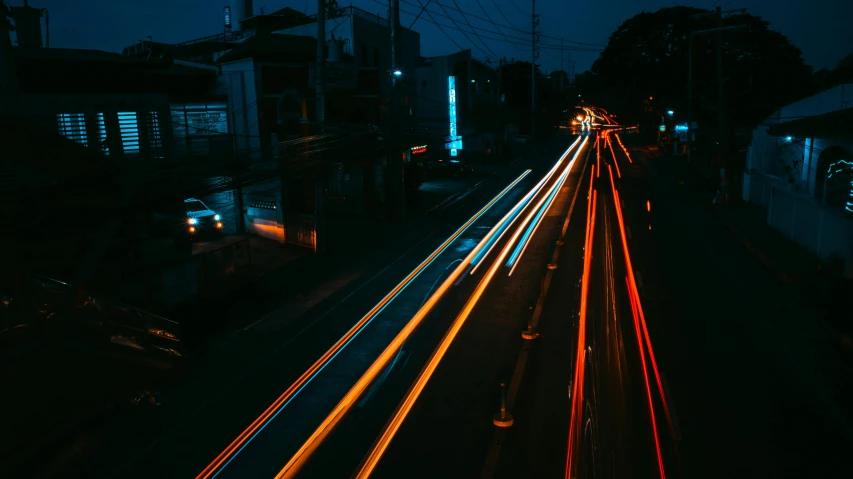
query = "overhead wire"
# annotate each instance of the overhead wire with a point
(520, 41)
(521, 30)
(492, 21)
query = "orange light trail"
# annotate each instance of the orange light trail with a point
(624, 149)
(577, 383)
(610, 145)
(306, 376)
(597, 157)
(557, 185)
(403, 409)
(325, 428)
(640, 325)
(515, 212)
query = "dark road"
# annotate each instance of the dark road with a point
(607, 389)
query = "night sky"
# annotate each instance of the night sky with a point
(820, 28)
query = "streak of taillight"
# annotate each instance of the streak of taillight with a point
(637, 310)
(577, 383)
(238, 443)
(615, 162)
(624, 149)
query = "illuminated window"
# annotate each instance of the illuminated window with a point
(128, 126)
(72, 126)
(102, 135)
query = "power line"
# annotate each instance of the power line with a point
(490, 18)
(464, 33)
(432, 20)
(474, 31)
(518, 40)
(499, 11)
(510, 27)
(518, 8)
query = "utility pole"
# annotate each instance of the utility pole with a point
(534, 55)
(8, 73)
(319, 73)
(721, 116)
(561, 65)
(719, 29)
(395, 161)
(499, 147)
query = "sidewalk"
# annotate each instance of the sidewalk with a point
(789, 262)
(253, 325)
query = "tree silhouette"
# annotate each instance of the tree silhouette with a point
(647, 56)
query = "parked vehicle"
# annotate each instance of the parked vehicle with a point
(201, 220)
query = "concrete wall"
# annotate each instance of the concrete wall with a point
(823, 231)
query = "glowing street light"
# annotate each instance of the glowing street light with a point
(670, 113)
(398, 73)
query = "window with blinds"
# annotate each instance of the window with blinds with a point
(72, 126)
(102, 135)
(128, 126)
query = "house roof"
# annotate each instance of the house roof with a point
(274, 45)
(836, 124)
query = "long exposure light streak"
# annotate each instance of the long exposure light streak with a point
(637, 308)
(501, 228)
(578, 377)
(403, 409)
(515, 259)
(237, 445)
(298, 460)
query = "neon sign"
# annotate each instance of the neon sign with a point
(454, 142)
(419, 149)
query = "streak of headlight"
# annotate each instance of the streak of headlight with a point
(577, 382)
(535, 211)
(531, 231)
(310, 445)
(497, 232)
(636, 307)
(381, 444)
(225, 457)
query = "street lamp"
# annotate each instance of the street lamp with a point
(670, 112)
(398, 73)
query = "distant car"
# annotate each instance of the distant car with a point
(449, 168)
(201, 220)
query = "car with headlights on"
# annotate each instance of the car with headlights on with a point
(201, 220)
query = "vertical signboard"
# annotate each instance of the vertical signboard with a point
(454, 142)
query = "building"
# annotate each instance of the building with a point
(158, 125)
(266, 65)
(800, 169)
(472, 87)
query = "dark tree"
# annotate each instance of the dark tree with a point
(647, 56)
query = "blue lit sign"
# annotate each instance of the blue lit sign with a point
(454, 142)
